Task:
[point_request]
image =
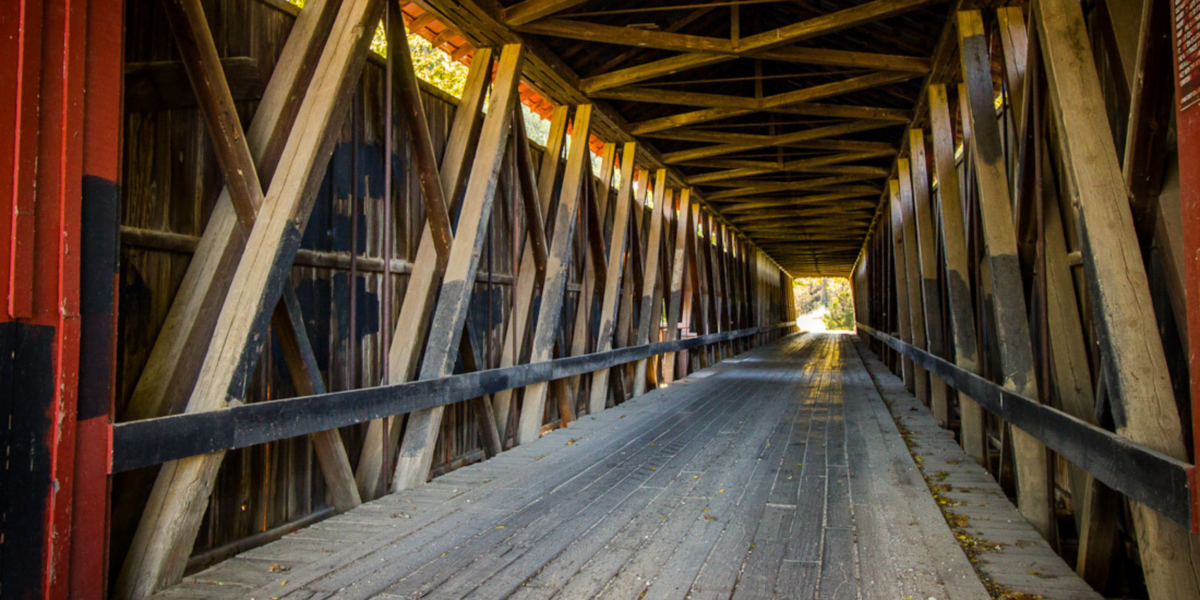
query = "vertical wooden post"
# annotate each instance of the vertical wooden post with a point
(1008, 298)
(901, 274)
(613, 286)
(1125, 325)
(647, 317)
(675, 298)
(445, 333)
(927, 253)
(557, 261)
(412, 325)
(912, 264)
(531, 273)
(962, 313)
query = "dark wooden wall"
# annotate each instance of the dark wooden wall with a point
(172, 183)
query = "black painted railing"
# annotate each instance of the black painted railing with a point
(1142, 474)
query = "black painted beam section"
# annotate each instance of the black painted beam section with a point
(155, 441)
(1145, 476)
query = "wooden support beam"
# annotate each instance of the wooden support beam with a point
(612, 286)
(631, 299)
(1014, 343)
(675, 293)
(1129, 339)
(577, 174)
(807, 165)
(533, 261)
(806, 135)
(823, 184)
(595, 271)
(626, 36)
(420, 439)
(958, 291)
(412, 325)
(171, 520)
(913, 286)
(647, 317)
(171, 369)
(738, 107)
(795, 54)
(738, 103)
(203, 66)
(532, 10)
(901, 276)
(927, 244)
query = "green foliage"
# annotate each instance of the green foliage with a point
(826, 298)
(841, 310)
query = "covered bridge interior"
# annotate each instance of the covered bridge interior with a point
(285, 320)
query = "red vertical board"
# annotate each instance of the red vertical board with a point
(1186, 20)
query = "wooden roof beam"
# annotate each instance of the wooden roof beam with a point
(806, 135)
(809, 165)
(812, 56)
(532, 10)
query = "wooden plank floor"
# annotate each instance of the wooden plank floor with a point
(778, 473)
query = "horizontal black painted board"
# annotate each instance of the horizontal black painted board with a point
(1142, 474)
(155, 441)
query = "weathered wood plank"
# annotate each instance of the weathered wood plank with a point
(533, 263)
(412, 325)
(1119, 290)
(172, 517)
(578, 171)
(958, 291)
(1014, 341)
(446, 330)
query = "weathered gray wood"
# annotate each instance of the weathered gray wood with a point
(595, 270)
(897, 236)
(412, 325)
(171, 369)
(958, 291)
(1014, 342)
(927, 253)
(675, 296)
(1137, 376)
(647, 317)
(532, 268)
(202, 62)
(613, 286)
(913, 270)
(172, 516)
(446, 330)
(577, 175)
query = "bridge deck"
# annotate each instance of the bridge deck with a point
(778, 473)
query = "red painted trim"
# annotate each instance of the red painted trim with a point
(101, 158)
(1189, 175)
(25, 159)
